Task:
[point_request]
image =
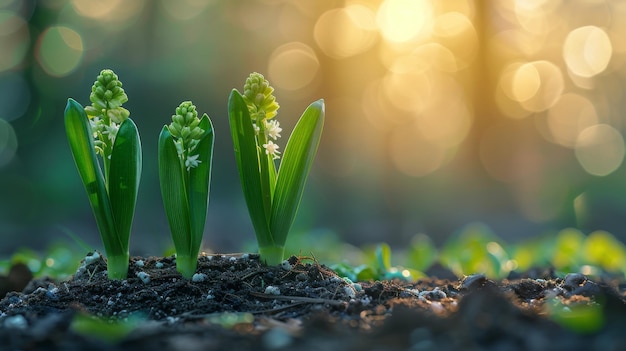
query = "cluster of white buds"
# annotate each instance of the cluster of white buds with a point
(186, 132)
(106, 112)
(262, 107)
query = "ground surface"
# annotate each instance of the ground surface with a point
(236, 303)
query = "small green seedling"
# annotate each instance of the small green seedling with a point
(185, 156)
(272, 196)
(105, 129)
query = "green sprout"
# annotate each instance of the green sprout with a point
(185, 155)
(272, 195)
(105, 129)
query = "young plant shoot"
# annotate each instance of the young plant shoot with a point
(272, 195)
(185, 154)
(105, 129)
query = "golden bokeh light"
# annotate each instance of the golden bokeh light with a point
(550, 87)
(587, 51)
(536, 16)
(14, 39)
(456, 32)
(571, 115)
(600, 149)
(117, 11)
(408, 91)
(525, 82)
(59, 50)
(346, 32)
(293, 66)
(405, 20)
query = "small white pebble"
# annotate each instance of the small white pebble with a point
(272, 290)
(209, 258)
(16, 322)
(198, 277)
(349, 291)
(159, 265)
(139, 263)
(286, 265)
(93, 258)
(145, 277)
(245, 256)
(232, 259)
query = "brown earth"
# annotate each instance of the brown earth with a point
(237, 303)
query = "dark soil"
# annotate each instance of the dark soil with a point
(239, 304)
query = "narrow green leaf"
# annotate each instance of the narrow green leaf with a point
(199, 183)
(383, 257)
(173, 192)
(248, 165)
(294, 170)
(124, 175)
(79, 135)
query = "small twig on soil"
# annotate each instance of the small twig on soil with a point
(298, 298)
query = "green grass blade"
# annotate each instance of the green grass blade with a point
(248, 165)
(174, 193)
(199, 183)
(79, 135)
(294, 169)
(124, 176)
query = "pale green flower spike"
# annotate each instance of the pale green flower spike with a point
(106, 112)
(257, 93)
(262, 107)
(186, 132)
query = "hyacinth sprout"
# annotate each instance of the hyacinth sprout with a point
(272, 193)
(105, 129)
(185, 154)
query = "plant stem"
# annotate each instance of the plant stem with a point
(117, 266)
(186, 265)
(272, 255)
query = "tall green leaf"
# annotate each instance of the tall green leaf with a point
(199, 182)
(173, 192)
(294, 169)
(124, 175)
(80, 137)
(248, 165)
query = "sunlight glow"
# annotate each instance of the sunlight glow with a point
(14, 39)
(60, 50)
(571, 115)
(404, 20)
(587, 51)
(600, 149)
(345, 32)
(293, 66)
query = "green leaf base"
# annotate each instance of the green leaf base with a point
(186, 265)
(272, 255)
(117, 266)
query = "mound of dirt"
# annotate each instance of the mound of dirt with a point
(235, 302)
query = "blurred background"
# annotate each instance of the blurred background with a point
(438, 113)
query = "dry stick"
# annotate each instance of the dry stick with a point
(298, 298)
